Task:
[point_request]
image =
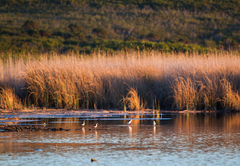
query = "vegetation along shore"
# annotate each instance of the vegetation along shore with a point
(125, 54)
(122, 81)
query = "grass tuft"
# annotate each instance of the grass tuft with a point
(133, 100)
(8, 99)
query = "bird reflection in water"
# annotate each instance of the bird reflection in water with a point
(130, 130)
(83, 130)
(96, 134)
(154, 130)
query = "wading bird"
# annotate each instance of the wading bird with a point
(154, 123)
(95, 125)
(83, 123)
(129, 122)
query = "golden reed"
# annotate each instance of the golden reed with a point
(133, 81)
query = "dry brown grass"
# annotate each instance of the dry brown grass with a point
(149, 79)
(8, 99)
(133, 100)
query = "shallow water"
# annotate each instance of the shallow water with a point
(180, 139)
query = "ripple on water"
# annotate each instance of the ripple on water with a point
(181, 140)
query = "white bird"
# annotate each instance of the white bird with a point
(83, 123)
(95, 125)
(154, 123)
(129, 122)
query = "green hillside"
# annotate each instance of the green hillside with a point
(89, 25)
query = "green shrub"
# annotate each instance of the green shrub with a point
(71, 41)
(210, 43)
(44, 33)
(130, 38)
(10, 21)
(153, 37)
(65, 35)
(80, 36)
(75, 28)
(70, 48)
(33, 32)
(28, 25)
(101, 32)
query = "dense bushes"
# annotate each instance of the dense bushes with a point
(29, 25)
(232, 6)
(89, 25)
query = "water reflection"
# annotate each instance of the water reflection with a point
(154, 130)
(96, 134)
(186, 139)
(83, 130)
(130, 131)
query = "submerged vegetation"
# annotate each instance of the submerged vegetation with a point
(84, 26)
(135, 80)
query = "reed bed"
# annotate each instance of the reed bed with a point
(123, 81)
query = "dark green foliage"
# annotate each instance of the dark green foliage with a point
(75, 28)
(6, 31)
(80, 36)
(33, 32)
(64, 35)
(130, 38)
(44, 33)
(232, 6)
(10, 21)
(88, 25)
(29, 25)
(153, 37)
(101, 32)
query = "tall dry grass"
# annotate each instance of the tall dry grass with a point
(8, 100)
(136, 81)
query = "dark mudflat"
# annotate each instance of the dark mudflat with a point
(18, 128)
(15, 128)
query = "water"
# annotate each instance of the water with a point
(177, 139)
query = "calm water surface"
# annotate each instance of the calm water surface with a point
(180, 139)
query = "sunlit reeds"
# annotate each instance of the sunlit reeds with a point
(8, 100)
(136, 81)
(132, 100)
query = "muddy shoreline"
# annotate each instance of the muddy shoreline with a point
(31, 128)
(16, 116)
(92, 111)
(16, 128)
